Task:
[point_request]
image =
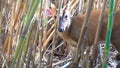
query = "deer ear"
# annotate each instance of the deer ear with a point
(51, 11)
(48, 12)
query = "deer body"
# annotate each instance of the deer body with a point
(71, 34)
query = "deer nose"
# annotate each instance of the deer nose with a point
(61, 29)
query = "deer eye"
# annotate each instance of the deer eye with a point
(66, 16)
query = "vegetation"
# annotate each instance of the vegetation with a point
(28, 37)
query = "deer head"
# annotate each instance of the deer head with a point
(65, 16)
(64, 20)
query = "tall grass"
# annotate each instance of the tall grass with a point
(28, 37)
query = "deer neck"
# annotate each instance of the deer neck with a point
(64, 35)
(76, 25)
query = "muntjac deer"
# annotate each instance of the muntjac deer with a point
(69, 27)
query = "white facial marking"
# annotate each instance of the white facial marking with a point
(64, 20)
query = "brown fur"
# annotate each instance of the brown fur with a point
(72, 34)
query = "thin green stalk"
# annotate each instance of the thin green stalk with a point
(34, 47)
(41, 33)
(0, 23)
(35, 38)
(26, 46)
(19, 55)
(109, 30)
(22, 38)
(15, 55)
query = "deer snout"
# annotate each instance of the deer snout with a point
(61, 25)
(61, 29)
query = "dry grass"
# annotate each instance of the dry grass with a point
(28, 37)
